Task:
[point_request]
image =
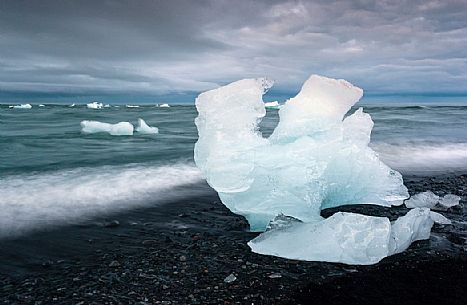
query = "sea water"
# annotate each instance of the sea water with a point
(51, 172)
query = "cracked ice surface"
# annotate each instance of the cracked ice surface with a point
(314, 159)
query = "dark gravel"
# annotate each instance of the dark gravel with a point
(182, 253)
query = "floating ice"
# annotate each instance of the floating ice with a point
(164, 106)
(314, 159)
(95, 105)
(272, 105)
(132, 106)
(119, 129)
(430, 200)
(72, 105)
(143, 128)
(22, 106)
(107, 106)
(41, 105)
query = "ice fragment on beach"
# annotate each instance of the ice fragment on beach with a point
(314, 159)
(143, 128)
(430, 200)
(231, 278)
(119, 129)
(348, 237)
(449, 201)
(422, 200)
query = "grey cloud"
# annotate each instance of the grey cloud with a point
(155, 47)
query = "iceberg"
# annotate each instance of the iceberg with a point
(143, 128)
(316, 158)
(119, 129)
(95, 105)
(272, 105)
(22, 106)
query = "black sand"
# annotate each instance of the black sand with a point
(181, 252)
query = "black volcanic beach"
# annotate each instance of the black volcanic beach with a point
(194, 251)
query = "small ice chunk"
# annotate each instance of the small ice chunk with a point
(143, 128)
(415, 225)
(347, 237)
(422, 200)
(41, 105)
(449, 201)
(95, 105)
(22, 106)
(164, 106)
(430, 200)
(132, 106)
(72, 105)
(344, 237)
(107, 106)
(119, 129)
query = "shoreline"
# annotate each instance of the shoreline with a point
(181, 253)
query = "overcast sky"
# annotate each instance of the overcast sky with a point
(150, 48)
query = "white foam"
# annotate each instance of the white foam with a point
(143, 128)
(119, 129)
(22, 106)
(95, 105)
(32, 201)
(423, 157)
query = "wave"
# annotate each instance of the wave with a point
(41, 200)
(422, 158)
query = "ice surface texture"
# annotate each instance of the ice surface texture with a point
(430, 200)
(347, 237)
(314, 159)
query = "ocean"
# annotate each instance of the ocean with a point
(50, 172)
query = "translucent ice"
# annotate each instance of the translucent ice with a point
(430, 200)
(426, 199)
(314, 159)
(347, 237)
(449, 200)
(143, 128)
(119, 129)
(95, 105)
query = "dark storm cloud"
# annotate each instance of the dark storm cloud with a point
(155, 47)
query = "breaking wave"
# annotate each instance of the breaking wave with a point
(424, 158)
(39, 200)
